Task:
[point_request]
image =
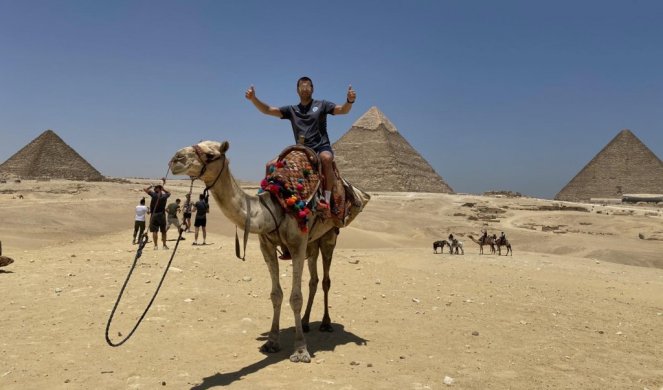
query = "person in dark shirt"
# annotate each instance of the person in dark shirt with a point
(158, 213)
(309, 126)
(202, 208)
(309, 123)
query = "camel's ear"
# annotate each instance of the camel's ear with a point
(224, 147)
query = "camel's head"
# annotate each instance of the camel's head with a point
(199, 159)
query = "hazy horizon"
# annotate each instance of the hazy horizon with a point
(513, 95)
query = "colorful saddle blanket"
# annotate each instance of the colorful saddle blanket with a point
(295, 179)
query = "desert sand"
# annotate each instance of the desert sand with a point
(579, 305)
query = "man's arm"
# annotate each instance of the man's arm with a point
(147, 190)
(262, 107)
(347, 106)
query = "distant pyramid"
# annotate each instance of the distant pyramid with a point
(373, 156)
(625, 165)
(48, 156)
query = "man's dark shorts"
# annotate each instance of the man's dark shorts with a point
(325, 148)
(200, 222)
(158, 222)
(187, 215)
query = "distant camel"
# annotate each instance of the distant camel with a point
(484, 240)
(502, 241)
(456, 245)
(439, 244)
(3, 259)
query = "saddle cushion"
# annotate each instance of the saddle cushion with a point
(293, 180)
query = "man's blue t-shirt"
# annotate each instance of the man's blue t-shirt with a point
(310, 121)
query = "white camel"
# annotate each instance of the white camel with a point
(207, 161)
(455, 245)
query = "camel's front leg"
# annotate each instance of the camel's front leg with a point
(312, 255)
(269, 253)
(298, 251)
(327, 245)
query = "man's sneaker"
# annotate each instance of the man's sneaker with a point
(165, 247)
(156, 247)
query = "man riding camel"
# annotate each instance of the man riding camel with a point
(309, 126)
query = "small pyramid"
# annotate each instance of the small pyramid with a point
(625, 165)
(49, 157)
(373, 156)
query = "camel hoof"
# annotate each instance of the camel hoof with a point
(326, 328)
(306, 328)
(300, 356)
(270, 347)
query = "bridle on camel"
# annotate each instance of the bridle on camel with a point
(142, 241)
(205, 159)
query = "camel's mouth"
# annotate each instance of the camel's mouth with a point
(180, 164)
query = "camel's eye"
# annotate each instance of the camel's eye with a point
(210, 156)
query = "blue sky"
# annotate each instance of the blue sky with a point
(514, 95)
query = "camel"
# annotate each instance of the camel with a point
(207, 161)
(4, 260)
(455, 245)
(502, 241)
(440, 244)
(484, 240)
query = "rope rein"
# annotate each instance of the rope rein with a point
(144, 239)
(141, 245)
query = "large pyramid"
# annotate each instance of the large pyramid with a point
(623, 166)
(49, 157)
(373, 156)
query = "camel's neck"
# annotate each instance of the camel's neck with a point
(234, 203)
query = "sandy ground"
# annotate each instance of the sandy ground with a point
(579, 305)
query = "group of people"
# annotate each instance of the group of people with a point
(163, 215)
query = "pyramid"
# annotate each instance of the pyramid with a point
(373, 156)
(625, 165)
(49, 157)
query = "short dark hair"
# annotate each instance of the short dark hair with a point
(158, 187)
(142, 201)
(202, 196)
(304, 78)
(177, 200)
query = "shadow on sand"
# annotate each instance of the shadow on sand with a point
(316, 341)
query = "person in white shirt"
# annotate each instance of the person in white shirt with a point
(139, 223)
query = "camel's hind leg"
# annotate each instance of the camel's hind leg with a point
(269, 253)
(312, 253)
(327, 245)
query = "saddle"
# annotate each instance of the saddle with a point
(296, 181)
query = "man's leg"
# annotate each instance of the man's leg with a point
(135, 231)
(195, 236)
(163, 236)
(141, 230)
(328, 170)
(204, 234)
